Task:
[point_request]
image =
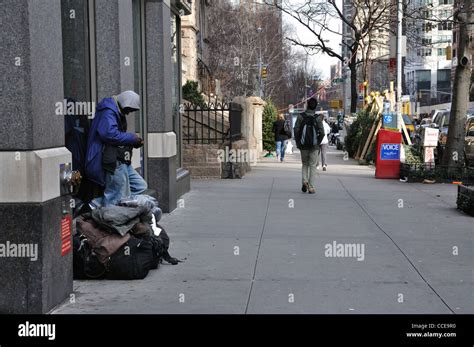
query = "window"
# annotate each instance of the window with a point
(78, 73)
(445, 13)
(423, 80)
(427, 14)
(426, 2)
(424, 52)
(444, 85)
(426, 27)
(423, 76)
(444, 39)
(176, 82)
(445, 2)
(444, 75)
(445, 26)
(455, 35)
(426, 41)
(441, 51)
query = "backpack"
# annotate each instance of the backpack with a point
(135, 258)
(308, 134)
(287, 129)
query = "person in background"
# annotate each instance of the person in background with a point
(281, 137)
(324, 143)
(335, 133)
(109, 150)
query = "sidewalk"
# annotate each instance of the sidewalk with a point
(248, 251)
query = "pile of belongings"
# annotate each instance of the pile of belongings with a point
(121, 242)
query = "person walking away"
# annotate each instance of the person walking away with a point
(109, 150)
(325, 143)
(335, 132)
(282, 134)
(309, 132)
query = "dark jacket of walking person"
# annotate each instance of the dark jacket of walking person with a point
(281, 137)
(309, 157)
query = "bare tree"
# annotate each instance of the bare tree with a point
(300, 79)
(362, 19)
(236, 44)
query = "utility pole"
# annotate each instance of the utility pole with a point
(454, 151)
(399, 62)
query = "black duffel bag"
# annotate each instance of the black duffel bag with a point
(135, 258)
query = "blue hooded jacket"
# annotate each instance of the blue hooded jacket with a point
(104, 130)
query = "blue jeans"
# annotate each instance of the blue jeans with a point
(125, 182)
(280, 149)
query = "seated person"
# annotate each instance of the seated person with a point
(109, 150)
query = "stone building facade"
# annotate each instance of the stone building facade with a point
(86, 50)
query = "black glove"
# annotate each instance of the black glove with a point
(138, 143)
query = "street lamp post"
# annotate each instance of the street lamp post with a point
(260, 65)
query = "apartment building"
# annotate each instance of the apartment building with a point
(428, 67)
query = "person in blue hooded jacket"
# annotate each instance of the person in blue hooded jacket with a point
(109, 150)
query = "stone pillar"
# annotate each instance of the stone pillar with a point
(252, 113)
(114, 54)
(39, 277)
(161, 138)
(114, 47)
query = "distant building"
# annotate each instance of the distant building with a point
(427, 71)
(376, 52)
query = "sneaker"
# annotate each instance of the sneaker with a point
(304, 188)
(317, 167)
(312, 190)
(325, 167)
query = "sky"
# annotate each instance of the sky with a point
(321, 61)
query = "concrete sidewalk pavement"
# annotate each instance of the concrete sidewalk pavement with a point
(259, 245)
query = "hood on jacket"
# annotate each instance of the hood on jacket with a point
(108, 103)
(129, 99)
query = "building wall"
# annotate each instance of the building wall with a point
(425, 55)
(32, 141)
(190, 29)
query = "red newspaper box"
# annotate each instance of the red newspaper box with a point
(387, 164)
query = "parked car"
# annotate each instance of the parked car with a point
(441, 122)
(469, 141)
(435, 113)
(425, 122)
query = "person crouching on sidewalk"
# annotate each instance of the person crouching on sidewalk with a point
(109, 150)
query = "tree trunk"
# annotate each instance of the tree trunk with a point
(353, 68)
(454, 151)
